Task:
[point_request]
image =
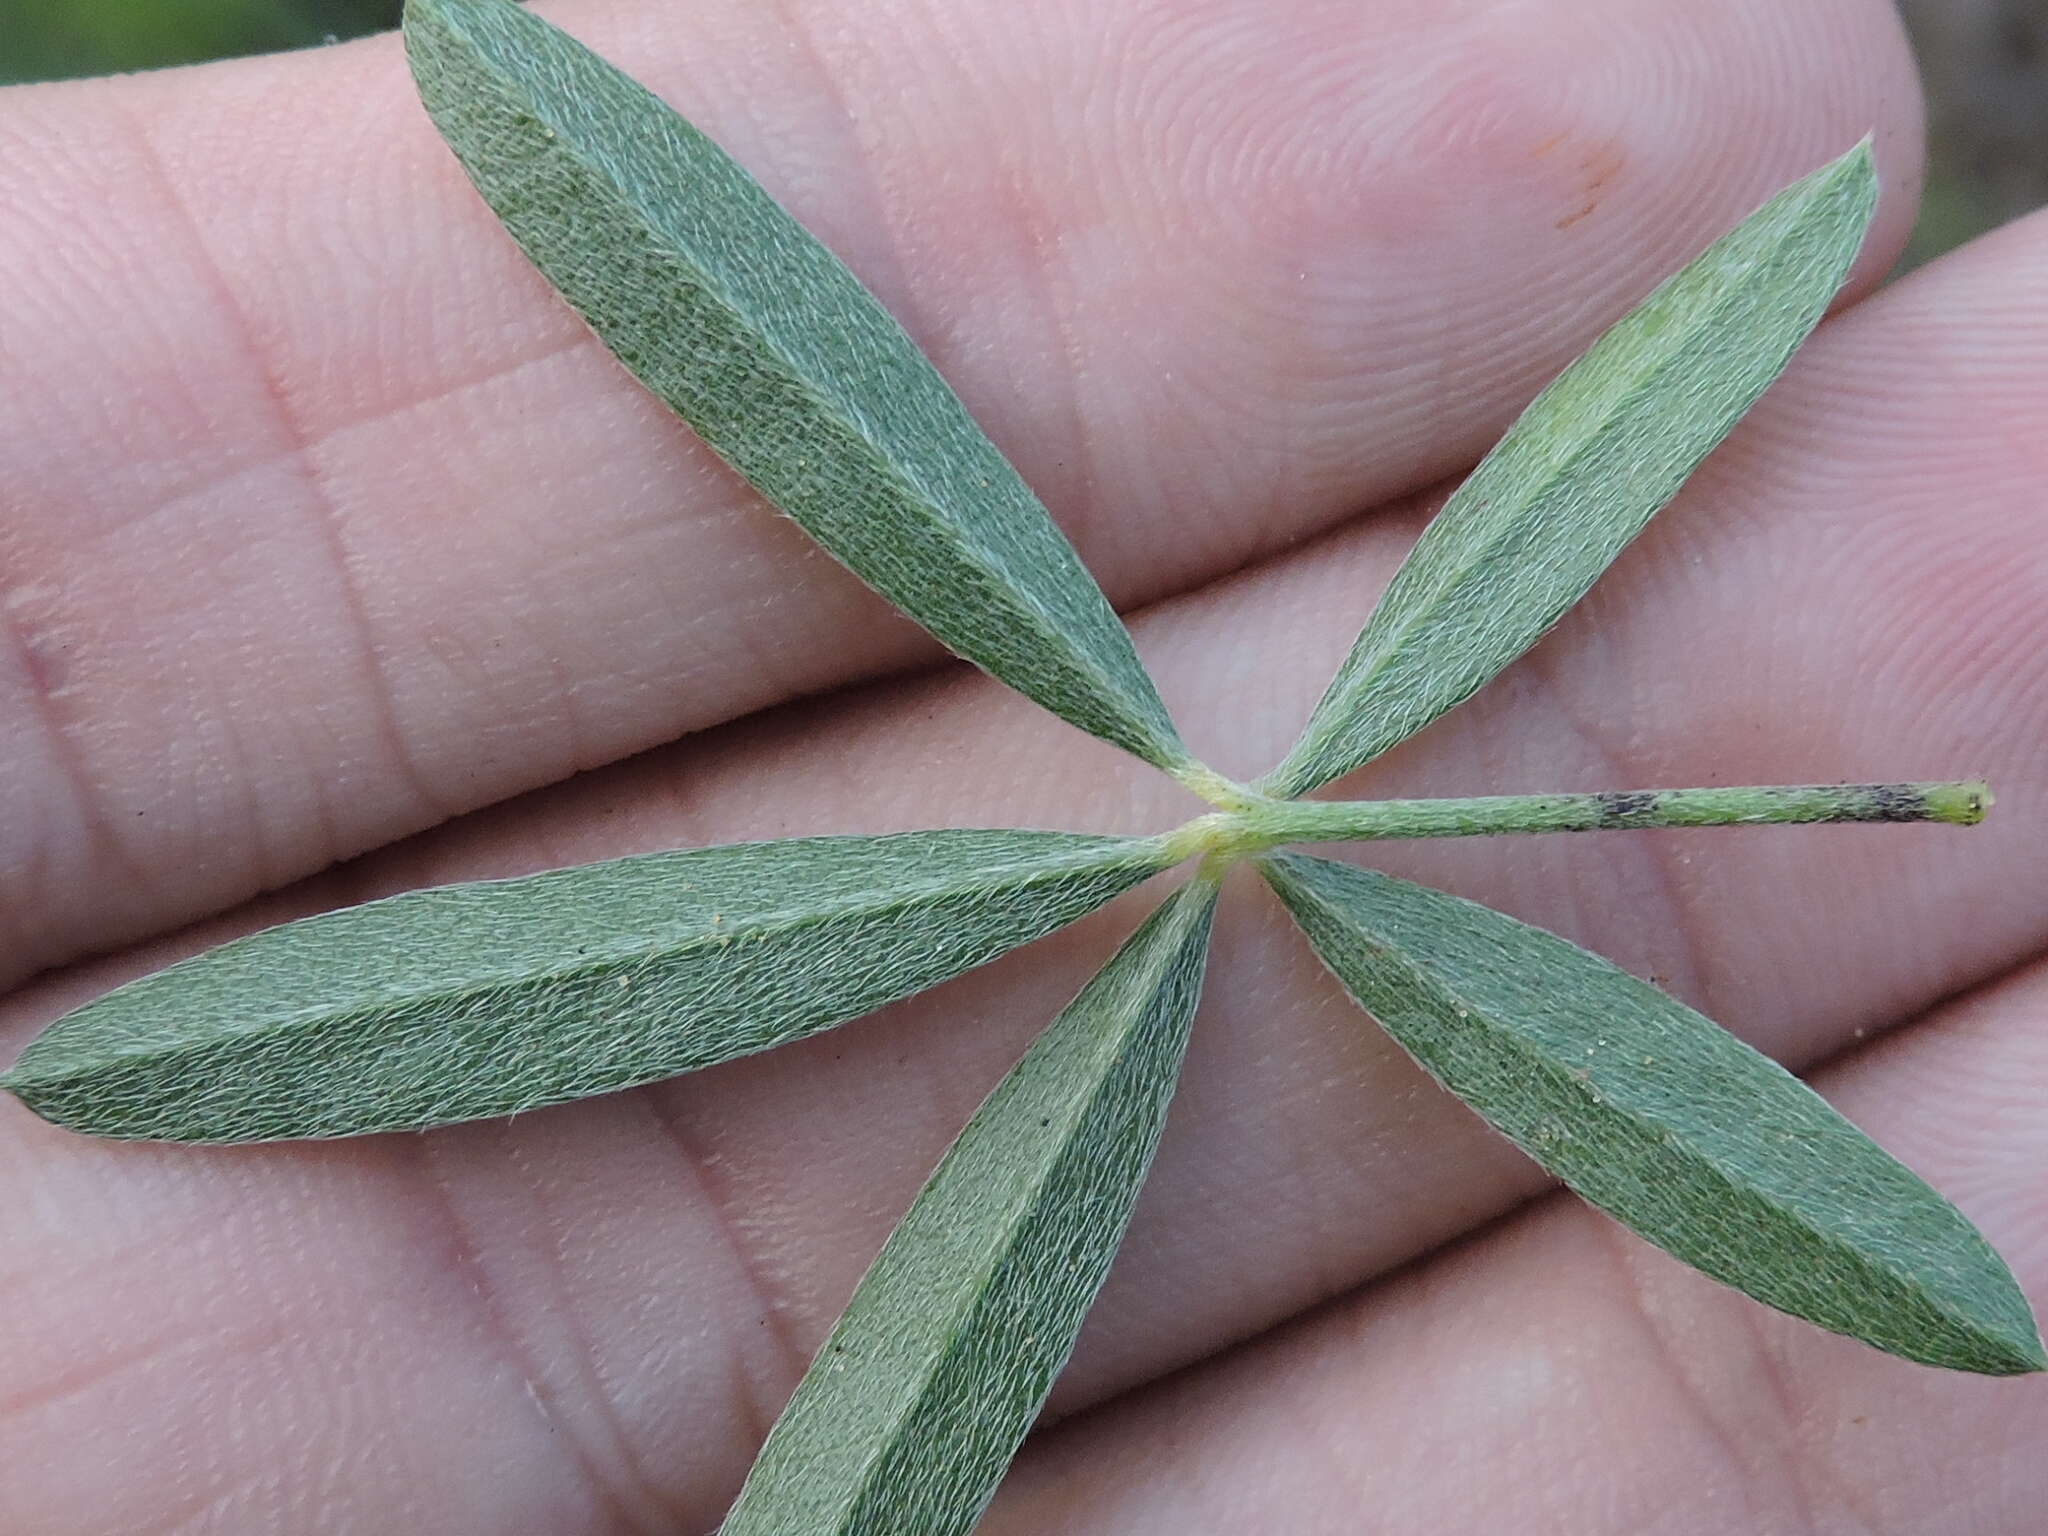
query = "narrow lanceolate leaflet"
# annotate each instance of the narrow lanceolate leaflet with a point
(922, 1393)
(1664, 1120)
(485, 999)
(731, 312)
(1591, 460)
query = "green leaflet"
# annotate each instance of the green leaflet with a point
(916, 1403)
(1589, 462)
(1673, 1126)
(484, 999)
(722, 305)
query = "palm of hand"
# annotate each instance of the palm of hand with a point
(582, 1318)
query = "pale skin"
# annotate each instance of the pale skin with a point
(324, 529)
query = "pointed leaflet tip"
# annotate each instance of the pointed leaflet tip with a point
(756, 335)
(1665, 1121)
(2026, 1357)
(1594, 456)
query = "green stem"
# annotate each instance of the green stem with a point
(1271, 823)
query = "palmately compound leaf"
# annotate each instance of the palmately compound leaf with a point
(467, 1001)
(1590, 461)
(728, 310)
(1664, 1120)
(912, 1410)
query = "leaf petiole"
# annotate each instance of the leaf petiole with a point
(1271, 823)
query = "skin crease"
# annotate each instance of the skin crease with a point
(582, 1320)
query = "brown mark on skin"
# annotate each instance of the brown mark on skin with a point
(1598, 166)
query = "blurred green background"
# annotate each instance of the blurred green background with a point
(51, 39)
(1985, 61)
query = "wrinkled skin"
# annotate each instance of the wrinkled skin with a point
(325, 530)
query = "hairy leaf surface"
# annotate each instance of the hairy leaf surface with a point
(1664, 1120)
(466, 1001)
(1584, 468)
(726, 308)
(920, 1397)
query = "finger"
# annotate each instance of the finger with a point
(324, 521)
(1557, 1372)
(734, 1210)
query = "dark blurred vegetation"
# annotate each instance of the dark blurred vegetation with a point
(1986, 67)
(52, 39)
(1986, 63)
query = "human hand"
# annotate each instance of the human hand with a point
(304, 558)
